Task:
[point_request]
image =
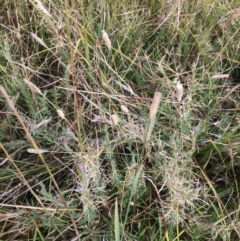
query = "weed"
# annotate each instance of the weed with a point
(119, 120)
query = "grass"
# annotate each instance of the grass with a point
(85, 155)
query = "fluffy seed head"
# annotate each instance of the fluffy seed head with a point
(106, 39)
(34, 151)
(32, 86)
(114, 119)
(155, 104)
(179, 91)
(44, 122)
(61, 114)
(39, 40)
(42, 8)
(124, 109)
(220, 76)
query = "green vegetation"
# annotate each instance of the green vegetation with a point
(82, 156)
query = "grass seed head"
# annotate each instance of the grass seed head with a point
(34, 151)
(32, 86)
(179, 91)
(114, 119)
(155, 104)
(106, 39)
(39, 40)
(220, 76)
(61, 114)
(124, 109)
(43, 122)
(42, 8)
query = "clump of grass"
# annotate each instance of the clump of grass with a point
(89, 152)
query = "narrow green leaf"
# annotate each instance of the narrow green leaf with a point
(116, 222)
